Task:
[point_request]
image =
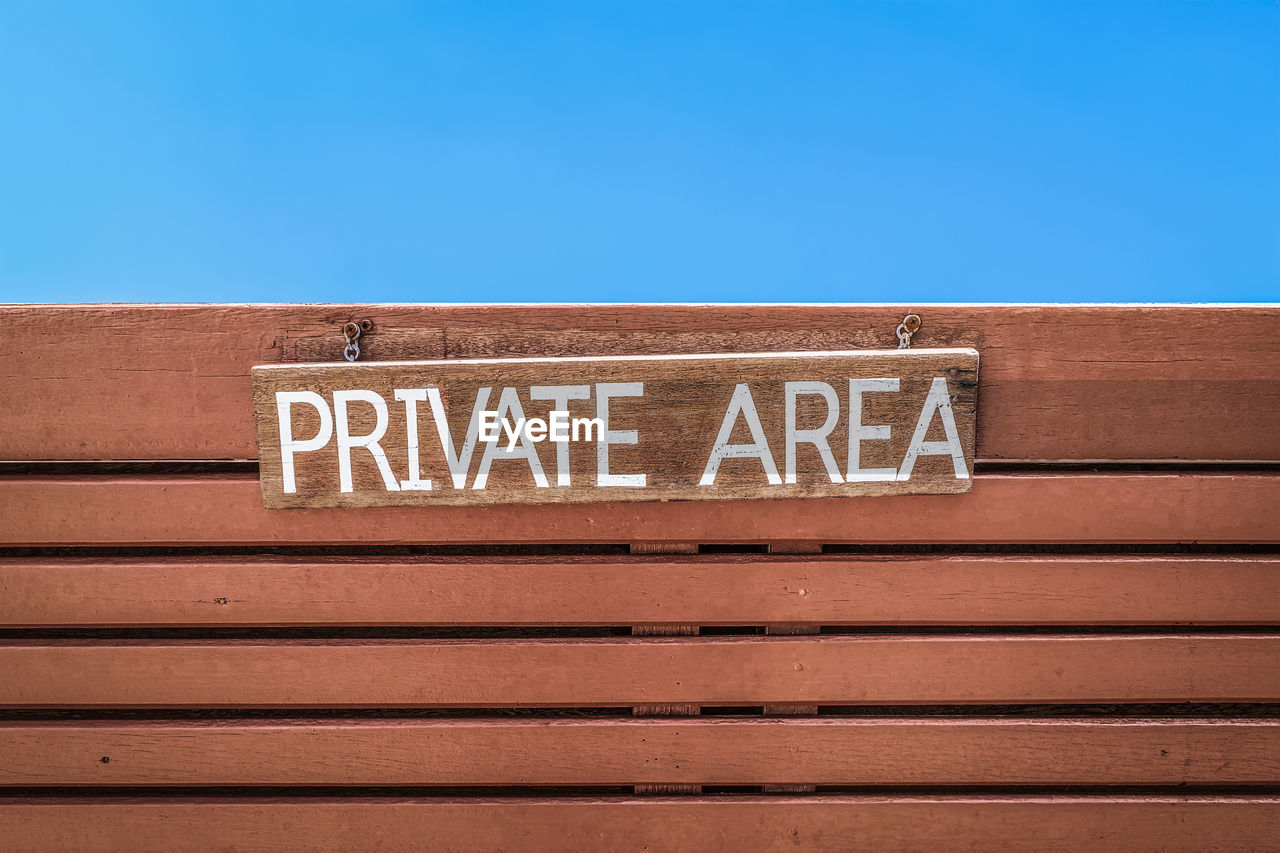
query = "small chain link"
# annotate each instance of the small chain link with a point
(909, 326)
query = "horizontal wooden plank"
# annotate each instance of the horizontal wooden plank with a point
(633, 671)
(1088, 508)
(708, 751)
(1058, 382)
(884, 824)
(627, 590)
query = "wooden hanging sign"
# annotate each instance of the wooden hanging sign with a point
(577, 430)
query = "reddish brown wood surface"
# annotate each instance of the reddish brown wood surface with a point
(1088, 508)
(1058, 382)
(665, 710)
(725, 751)
(1170, 824)
(791, 709)
(634, 671)
(655, 591)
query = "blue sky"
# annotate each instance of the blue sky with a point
(642, 151)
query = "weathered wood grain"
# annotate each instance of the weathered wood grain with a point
(833, 424)
(650, 592)
(984, 669)
(1058, 382)
(1053, 508)
(704, 751)
(770, 824)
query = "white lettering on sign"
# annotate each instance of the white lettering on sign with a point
(741, 403)
(411, 398)
(823, 424)
(816, 437)
(510, 402)
(347, 442)
(939, 401)
(560, 395)
(604, 392)
(860, 432)
(288, 447)
(459, 462)
(508, 424)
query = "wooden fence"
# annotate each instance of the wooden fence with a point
(1083, 653)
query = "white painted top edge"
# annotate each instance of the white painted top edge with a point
(405, 305)
(579, 359)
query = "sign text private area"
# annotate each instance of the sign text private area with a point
(576, 430)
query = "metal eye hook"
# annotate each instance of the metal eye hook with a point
(351, 331)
